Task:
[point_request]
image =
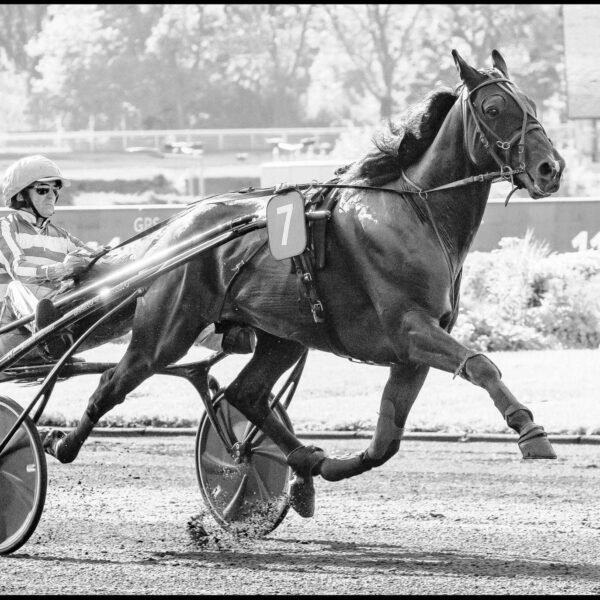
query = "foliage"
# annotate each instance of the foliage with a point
(161, 66)
(18, 23)
(383, 44)
(522, 297)
(136, 66)
(267, 52)
(529, 35)
(581, 176)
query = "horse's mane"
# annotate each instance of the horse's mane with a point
(400, 144)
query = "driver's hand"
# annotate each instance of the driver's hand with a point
(75, 264)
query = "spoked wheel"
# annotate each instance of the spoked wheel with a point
(23, 478)
(246, 487)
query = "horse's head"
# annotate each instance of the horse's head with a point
(501, 129)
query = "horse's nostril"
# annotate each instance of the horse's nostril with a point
(546, 169)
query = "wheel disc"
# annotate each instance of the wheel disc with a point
(23, 478)
(250, 494)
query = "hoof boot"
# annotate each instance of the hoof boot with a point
(52, 441)
(534, 444)
(58, 445)
(302, 496)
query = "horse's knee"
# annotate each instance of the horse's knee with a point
(104, 397)
(479, 370)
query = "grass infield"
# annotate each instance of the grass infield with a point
(561, 387)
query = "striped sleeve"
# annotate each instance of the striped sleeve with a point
(12, 256)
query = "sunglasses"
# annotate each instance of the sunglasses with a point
(43, 190)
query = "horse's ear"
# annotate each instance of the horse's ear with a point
(472, 77)
(499, 63)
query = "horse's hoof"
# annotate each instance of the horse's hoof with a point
(55, 444)
(304, 461)
(534, 443)
(52, 440)
(302, 496)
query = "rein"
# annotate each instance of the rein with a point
(494, 177)
(146, 232)
(506, 172)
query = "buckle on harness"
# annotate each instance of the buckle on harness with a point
(318, 311)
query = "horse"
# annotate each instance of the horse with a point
(403, 221)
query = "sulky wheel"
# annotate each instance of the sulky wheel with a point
(23, 478)
(245, 487)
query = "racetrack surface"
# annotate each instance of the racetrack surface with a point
(438, 518)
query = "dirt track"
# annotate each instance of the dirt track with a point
(440, 518)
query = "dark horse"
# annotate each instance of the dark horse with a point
(390, 284)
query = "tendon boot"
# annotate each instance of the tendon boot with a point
(55, 345)
(238, 339)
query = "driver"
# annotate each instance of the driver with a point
(37, 255)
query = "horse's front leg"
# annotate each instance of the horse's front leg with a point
(425, 342)
(401, 390)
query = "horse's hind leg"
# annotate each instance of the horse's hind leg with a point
(401, 390)
(161, 335)
(249, 393)
(429, 344)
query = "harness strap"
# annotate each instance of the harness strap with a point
(306, 280)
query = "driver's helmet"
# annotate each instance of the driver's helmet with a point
(25, 171)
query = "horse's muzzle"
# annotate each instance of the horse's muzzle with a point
(544, 179)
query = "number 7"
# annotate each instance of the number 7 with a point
(287, 209)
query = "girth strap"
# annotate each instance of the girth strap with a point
(305, 265)
(304, 272)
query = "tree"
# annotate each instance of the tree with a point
(267, 50)
(383, 44)
(89, 59)
(528, 35)
(250, 65)
(397, 53)
(182, 63)
(18, 23)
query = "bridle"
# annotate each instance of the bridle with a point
(529, 123)
(506, 172)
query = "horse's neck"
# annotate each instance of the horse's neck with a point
(457, 212)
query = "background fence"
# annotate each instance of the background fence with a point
(213, 140)
(581, 134)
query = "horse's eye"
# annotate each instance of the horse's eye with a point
(492, 111)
